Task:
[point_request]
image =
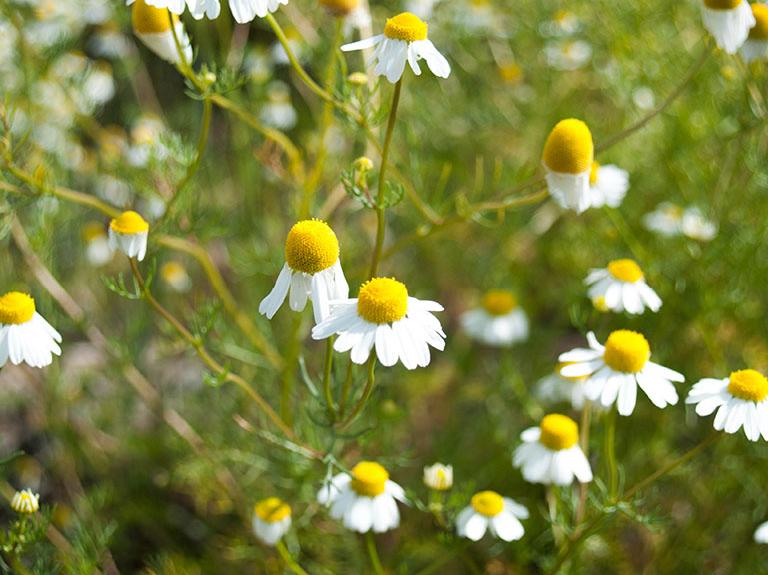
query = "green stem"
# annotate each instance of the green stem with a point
(373, 553)
(327, 380)
(610, 453)
(369, 384)
(345, 390)
(380, 209)
(290, 562)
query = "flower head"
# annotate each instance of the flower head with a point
(567, 157)
(489, 510)
(498, 321)
(152, 25)
(271, 520)
(25, 336)
(340, 7)
(756, 45)
(607, 185)
(621, 286)
(26, 502)
(729, 22)
(438, 476)
(128, 232)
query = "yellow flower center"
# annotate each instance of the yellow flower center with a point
(16, 308)
(488, 503)
(722, 4)
(92, 231)
(599, 303)
(150, 20)
(576, 379)
(311, 247)
(625, 270)
(272, 510)
(406, 26)
(442, 479)
(382, 300)
(499, 302)
(748, 384)
(760, 30)
(593, 173)
(129, 223)
(340, 7)
(626, 351)
(369, 479)
(558, 432)
(569, 148)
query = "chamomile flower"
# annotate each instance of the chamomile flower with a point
(246, 10)
(271, 520)
(385, 316)
(364, 499)
(489, 510)
(550, 453)
(741, 401)
(25, 336)
(568, 156)
(128, 233)
(312, 271)
(152, 25)
(340, 8)
(607, 185)
(25, 501)
(728, 21)
(756, 45)
(499, 321)
(621, 287)
(556, 387)
(438, 476)
(98, 252)
(618, 368)
(761, 533)
(175, 276)
(404, 40)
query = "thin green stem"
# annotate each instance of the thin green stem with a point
(380, 208)
(290, 562)
(609, 447)
(345, 387)
(328, 368)
(586, 412)
(373, 553)
(367, 390)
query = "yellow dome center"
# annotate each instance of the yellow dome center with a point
(593, 173)
(16, 308)
(748, 384)
(626, 351)
(569, 148)
(369, 479)
(382, 300)
(129, 223)
(760, 30)
(722, 4)
(625, 270)
(150, 20)
(340, 7)
(311, 247)
(406, 26)
(272, 510)
(499, 302)
(558, 432)
(488, 503)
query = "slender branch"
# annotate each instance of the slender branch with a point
(367, 390)
(328, 368)
(290, 562)
(373, 553)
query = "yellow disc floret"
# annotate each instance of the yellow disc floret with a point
(625, 270)
(593, 173)
(558, 432)
(150, 20)
(499, 302)
(129, 223)
(626, 351)
(488, 503)
(760, 30)
(272, 510)
(722, 4)
(16, 308)
(406, 26)
(748, 384)
(340, 7)
(569, 148)
(311, 247)
(382, 300)
(369, 479)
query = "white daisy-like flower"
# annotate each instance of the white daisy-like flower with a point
(555, 387)
(567, 158)
(312, 271)
(607, 185)
(25, 336)
(671, 220)
(271, 520)
(438, 476)
(152, 25)
(364, 499)
(761, 533)
(621, 287)
(697, 227)
(489, 510)
(618, 368)
(499, 321)
(741, 401)
(404, 40)
(98, 252)
(550, 453)
(383, 315)
(25, 501)
(242, 10)
(175, 276)
(756, 45)
(128, 233)
(728, 21)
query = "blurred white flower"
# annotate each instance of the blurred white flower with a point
(568, 55)
(175, 275)
(489, 510)
(499, 321)
(644, 98)
(279, 112)
(555, 387)
(25, 336)
(728, 21)
(761, 533)
(756, 45)
(671, 220)
(607, 185)
(621, 286)
(438, 476)
(421, 8)
(271, 520)
(98, 252)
